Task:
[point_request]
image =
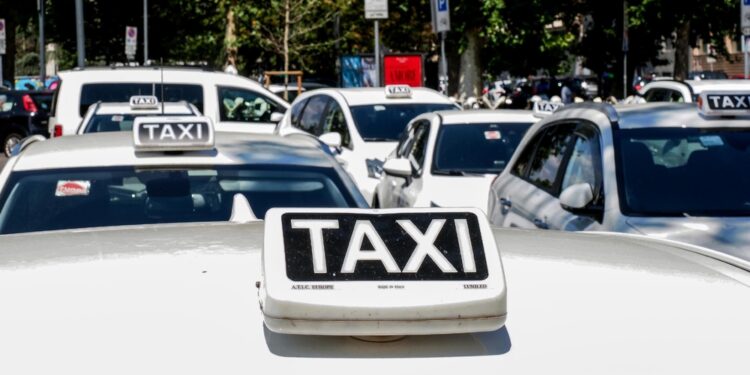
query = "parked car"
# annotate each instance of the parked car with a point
(233, 102)
(23, 113)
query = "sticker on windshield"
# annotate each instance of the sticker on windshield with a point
(492, 134)
(117, 118)
(72, 188)
(379, 108)
(711, 140)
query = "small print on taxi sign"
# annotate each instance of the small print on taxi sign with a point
(381, 272)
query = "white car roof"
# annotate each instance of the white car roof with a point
(376, 95)
(157, 74)
(176, 108)
(182, 299)
(474, 116)
(699, 86)
(649, 115)
(116, 149)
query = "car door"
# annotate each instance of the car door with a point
(530, 194)
(582, 165)
(247, 111)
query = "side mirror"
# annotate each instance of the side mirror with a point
(277, 117)
(576, 197)
(398, 167)
(332, 139)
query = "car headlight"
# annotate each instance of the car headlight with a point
(374, 168)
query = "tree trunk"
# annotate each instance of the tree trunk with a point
(9, 59)
(469, 80)
(230, 38)
(286, 49)
(682, 52)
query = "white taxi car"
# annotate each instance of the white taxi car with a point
(367, 292)
(167, 169)
(232, 102)
(449, 158)
(666, 170)
(688, 91)
(108, 117)
(364, 124)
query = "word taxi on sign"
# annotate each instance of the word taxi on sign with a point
(167, 133)
(378, 268)
(724, 103)
(144, 102)
(397, 91)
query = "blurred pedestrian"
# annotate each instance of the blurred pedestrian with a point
(567, 94)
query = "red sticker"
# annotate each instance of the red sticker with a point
(72, 188)
(492, 134)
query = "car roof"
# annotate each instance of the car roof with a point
(648, 115)
(701, 85)
(116, 149)
(124, 108)
(475, 116)
(376, 95)
(182, 298)
(672, 115)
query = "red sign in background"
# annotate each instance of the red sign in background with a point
(403, 70)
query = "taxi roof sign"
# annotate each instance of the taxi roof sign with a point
(390, 272)
(144, 102)
(173, 133)
(724, 103)
(397, 91)
(545, 108)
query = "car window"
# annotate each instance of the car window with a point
(386, 122)
(313, 114)
(549, 155)
(492, 145)
(584, 165)
(296, 111)
(664, 95)
(334, 121)
(418, 150)
(95, 197)
(523, 161)
(7, 102)
(241, 105)
(121, 92)
(405, 142)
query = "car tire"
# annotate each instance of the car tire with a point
(10, 140)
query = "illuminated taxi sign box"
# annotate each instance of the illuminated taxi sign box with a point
(724, 103)
(144, 102)
(173, 133)
(545, 108)
(397, 91)
(359, 272)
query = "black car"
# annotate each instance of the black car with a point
(23, 113)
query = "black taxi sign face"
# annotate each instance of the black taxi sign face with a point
(724, 103)
(144, 102)
(335, 247)
(380, 272)
(397, 91)
(545, 108)
(182, 133)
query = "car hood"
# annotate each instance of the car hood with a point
(182, 299)
(460, 191)
(728, 235)
(376, 150)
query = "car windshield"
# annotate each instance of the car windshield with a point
(386, 122)
(476, 148)
(96, 197)
(42, 101)
(115, 122)
(684, 172)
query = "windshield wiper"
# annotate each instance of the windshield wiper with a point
(379, 140)
(455, 172)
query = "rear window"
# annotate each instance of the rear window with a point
(121, 92)
(43, 101)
